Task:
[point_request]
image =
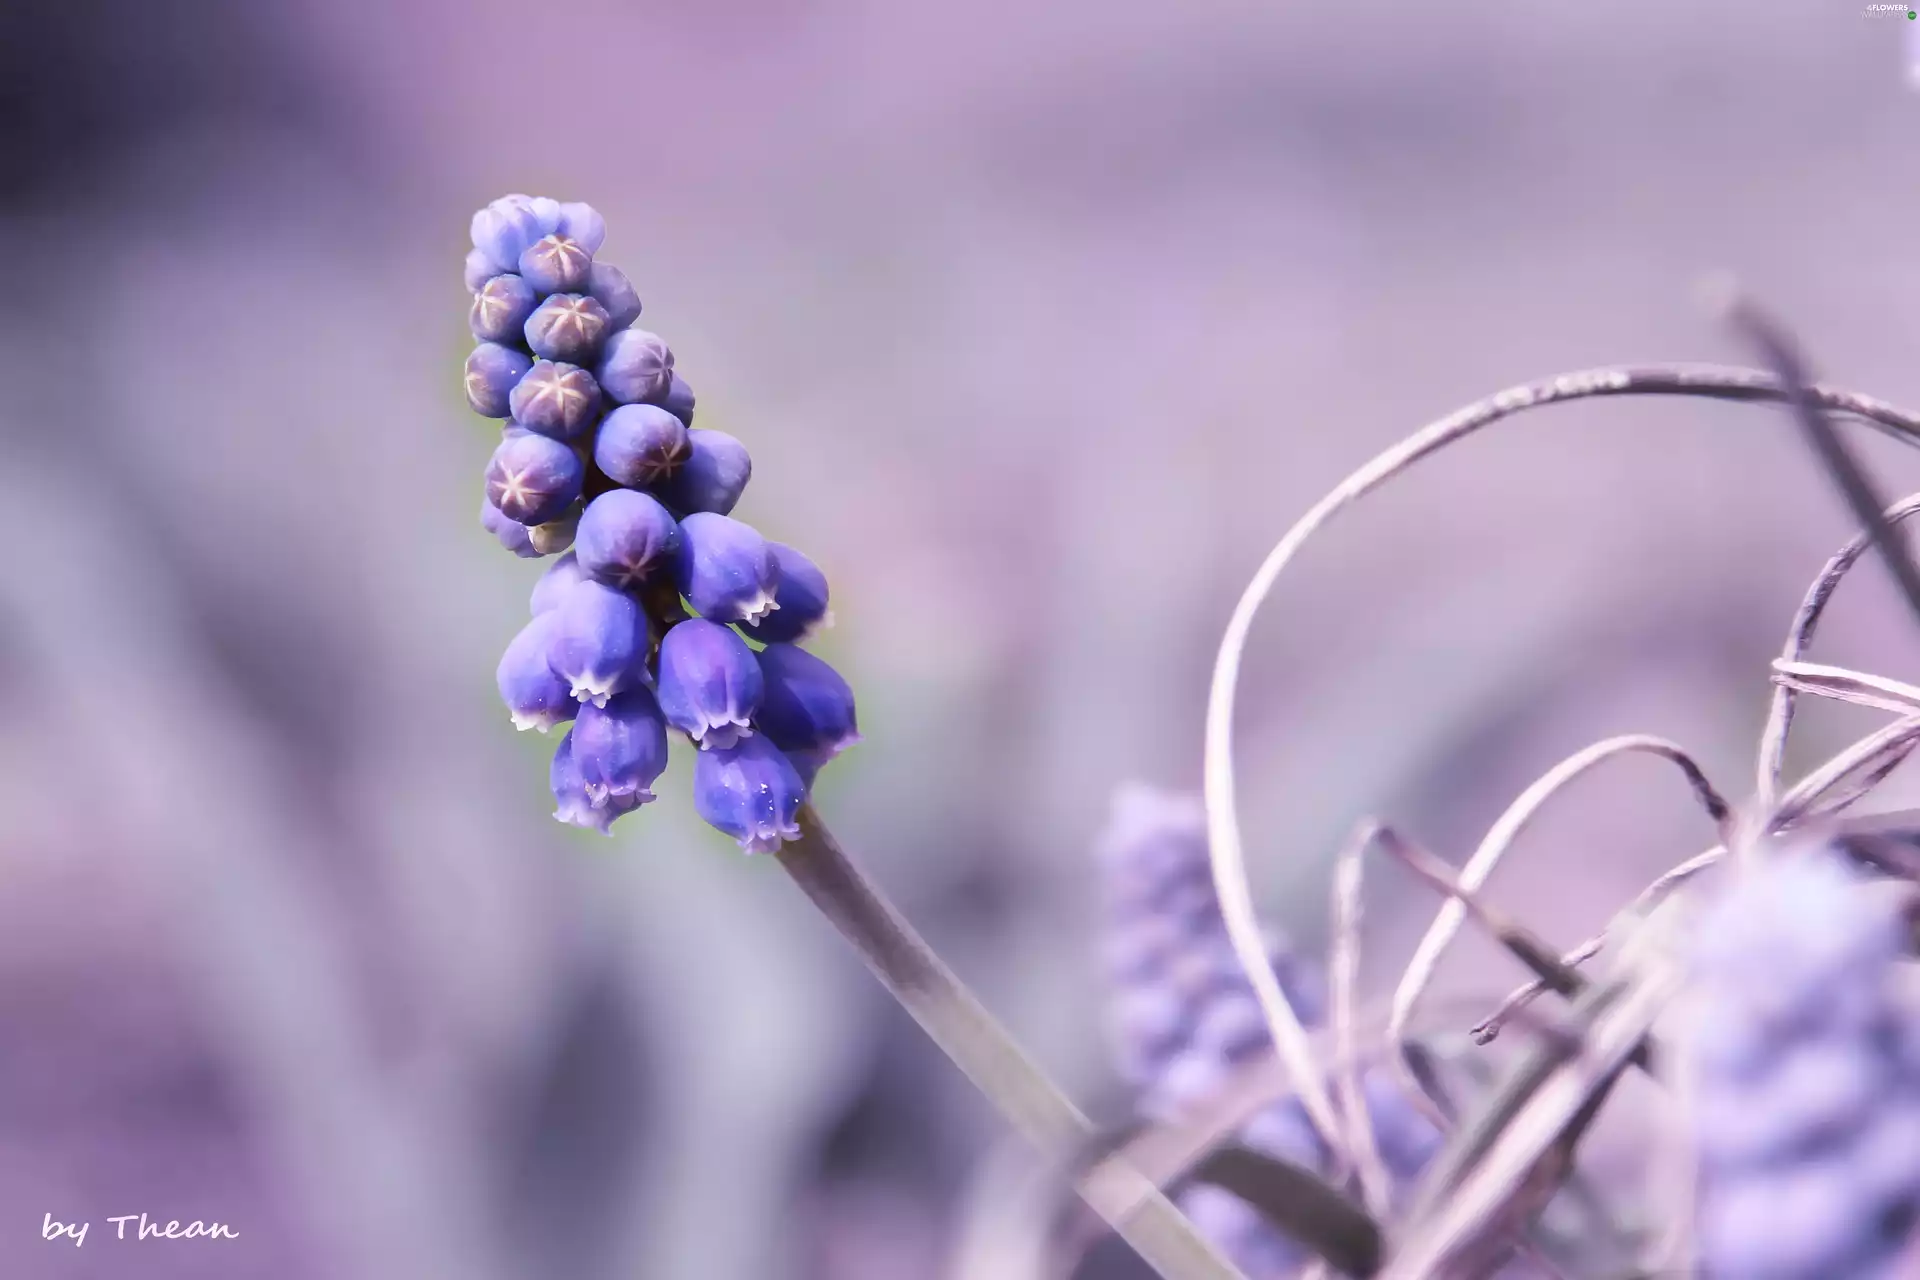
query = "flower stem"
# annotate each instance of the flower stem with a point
(986, 1053)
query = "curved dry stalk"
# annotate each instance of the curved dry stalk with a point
(1874, 756)
(1228, 858)
(1648, 898)
(1773, 739)
(1844, 684)
(1500, 837)
(1344, 973)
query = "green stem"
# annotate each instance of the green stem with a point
(943, 1006)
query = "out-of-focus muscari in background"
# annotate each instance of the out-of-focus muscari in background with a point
(1042, 323)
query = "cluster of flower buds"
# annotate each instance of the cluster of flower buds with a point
(666, 611)
(1184, 1017)
(1804, 1054)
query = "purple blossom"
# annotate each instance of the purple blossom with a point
(636, 367)
(536, 698)
(625, 538)
(725, 569)
(533, 479)
(555, 264)
(560, 577)
(713, 476)
(710, 685)
(807, 707)
(640, 445)
(800, 591)
(492, 373)
(608, 285)
(555, 399)
(599, 643)
(749, 791)
(511, 533)
(569, 327)
(573, 806)
(500, 309)
(619, 749)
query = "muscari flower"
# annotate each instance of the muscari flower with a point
(749, 791)
(573, 805)
(625, 538)
(678, 399)
(599, 642)
(640, 445)
(533, 479)
(1806, 1079)
(492, 373)
(806, 708)
(800, 591)
(725, 569)
(1184, 1018)
(569, 327)
(608, 285)
(619, 749)
(712, 478)
(710, 685)
(536, 697)
(636, 367)
(555, 264)
(500, 309)
(511, 533)
(559, 578)
(555, 399)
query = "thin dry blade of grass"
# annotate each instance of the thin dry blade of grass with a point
(1344, 970)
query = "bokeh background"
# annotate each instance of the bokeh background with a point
(1042, 322)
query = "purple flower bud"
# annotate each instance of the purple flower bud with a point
(574, 806)
(500, 309)
(511, 533)
(678, 400)
(625, 538)
(712, 478)
(620, 749)
(749, 791)
(533, 479)
(545, 211)
(567, 326)
(555, 535)
(535, 696)
(492, 372)
(502, 231)
(608, 285)
(600, 642)
(710, 685)
(479, 270)
(582, 222)
(555, 264)
(725, 569)
(800, 589)
(560, 578)
(555, 399)
(640, 445)
(807, 706)
(637, 366)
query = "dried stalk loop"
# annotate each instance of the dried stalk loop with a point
(983, 1050)
(1500, 838)
(1376, 1184)
(1773, 740)
(1229, 863)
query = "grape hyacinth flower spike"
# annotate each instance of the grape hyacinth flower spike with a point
(1184, 1017)
(597, 454)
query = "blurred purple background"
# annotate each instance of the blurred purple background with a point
(1042, 324)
